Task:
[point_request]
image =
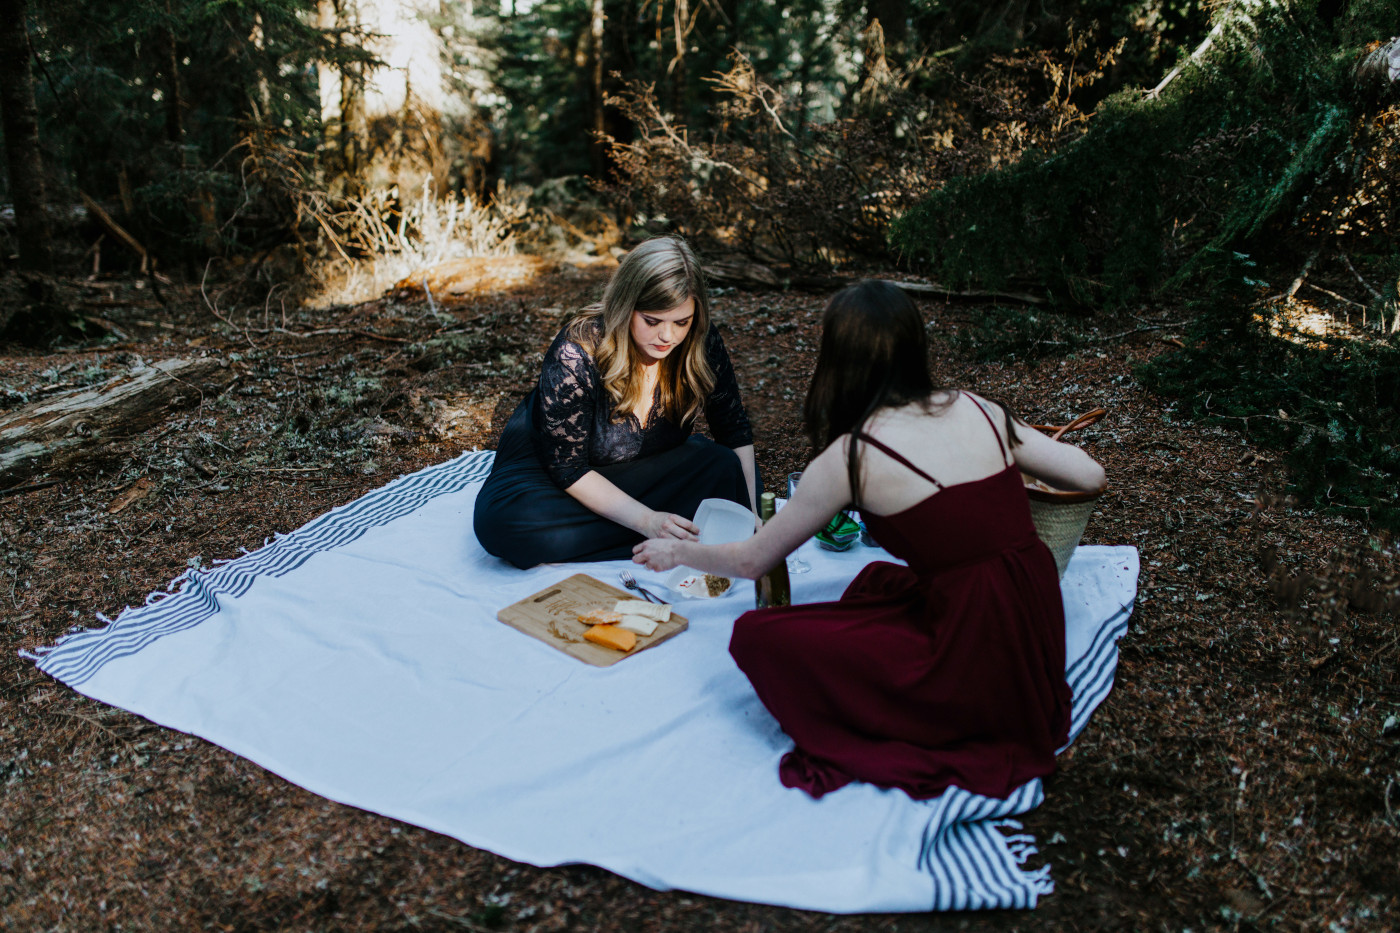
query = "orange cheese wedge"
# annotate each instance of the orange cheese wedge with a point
(610, 636)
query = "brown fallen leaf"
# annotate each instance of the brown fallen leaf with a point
(133, 493)
(1318, 663)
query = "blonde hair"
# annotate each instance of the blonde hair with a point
(658, 275)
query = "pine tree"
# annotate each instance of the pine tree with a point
(21, 127)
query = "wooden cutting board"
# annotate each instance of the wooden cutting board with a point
(551, 615)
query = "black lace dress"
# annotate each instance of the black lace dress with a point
(564, 428)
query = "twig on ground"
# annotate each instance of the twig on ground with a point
(1332, 294)
(1137, 330)
(214, 310)
(88, 719)
(432, 305)
(1303, 273)
(262, 331)
(1365, 284)
(462, 922)
(30, 487)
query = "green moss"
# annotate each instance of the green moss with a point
(1233, 150)
(1333, 405)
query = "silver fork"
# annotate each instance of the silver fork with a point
(631, 583)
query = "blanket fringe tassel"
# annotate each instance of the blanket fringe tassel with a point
(1021, 846)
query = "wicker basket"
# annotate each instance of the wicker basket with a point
(1060, 516)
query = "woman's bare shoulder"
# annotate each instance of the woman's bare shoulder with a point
(918, 417)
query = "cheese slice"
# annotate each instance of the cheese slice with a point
(661, 612)
(610, 636)
(639, 624)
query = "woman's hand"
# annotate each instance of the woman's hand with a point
(657, 554)
(670, 525)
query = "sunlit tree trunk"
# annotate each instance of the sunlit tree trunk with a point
(384, 123)
(680, 16)
(262, 99)
(20, 118)
(597, 52)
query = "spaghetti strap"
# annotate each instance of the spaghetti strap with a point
(896, 455)
(995, 433)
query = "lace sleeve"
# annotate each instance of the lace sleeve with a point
(724, 409)
(564, 407)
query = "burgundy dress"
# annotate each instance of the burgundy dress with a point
(950, 671)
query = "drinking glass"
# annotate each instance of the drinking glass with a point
(793, 480)
(795, 564)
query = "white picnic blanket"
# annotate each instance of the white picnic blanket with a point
(360, 657)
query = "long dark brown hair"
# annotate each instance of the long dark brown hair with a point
(874, 355)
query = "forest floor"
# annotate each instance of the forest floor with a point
(1244, 773)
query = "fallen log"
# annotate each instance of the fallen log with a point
(739, 272)
(752, 275)
(99, 421)
(942, 291)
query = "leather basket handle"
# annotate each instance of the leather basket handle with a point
(1083, 421)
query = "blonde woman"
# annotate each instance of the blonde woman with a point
(600, 456)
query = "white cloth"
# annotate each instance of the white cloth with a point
(360, 657)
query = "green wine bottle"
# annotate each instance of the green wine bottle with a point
(773, 588)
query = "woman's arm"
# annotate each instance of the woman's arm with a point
(1061, 465)
(724, 411)
(824, 490)
(746, 462)
(598, 494)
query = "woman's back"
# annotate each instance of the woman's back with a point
(956, 442)
(947, 671)
(909, 454)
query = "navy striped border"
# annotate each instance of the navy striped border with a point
(972, 865)
(79, 656)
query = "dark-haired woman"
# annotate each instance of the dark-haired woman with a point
(949, 671)
(600, 455)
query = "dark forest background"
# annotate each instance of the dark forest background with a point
(1066, 157)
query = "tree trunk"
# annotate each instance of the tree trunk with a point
(86, 423)
(680, 13)
(597, 147)
(24, 158)
(174, 98)
(731, 12)
(618, 60)
(660, 46)
(262, 102)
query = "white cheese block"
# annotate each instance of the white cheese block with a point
(639, 624)
(637, 607)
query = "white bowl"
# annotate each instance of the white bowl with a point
(721, 522)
